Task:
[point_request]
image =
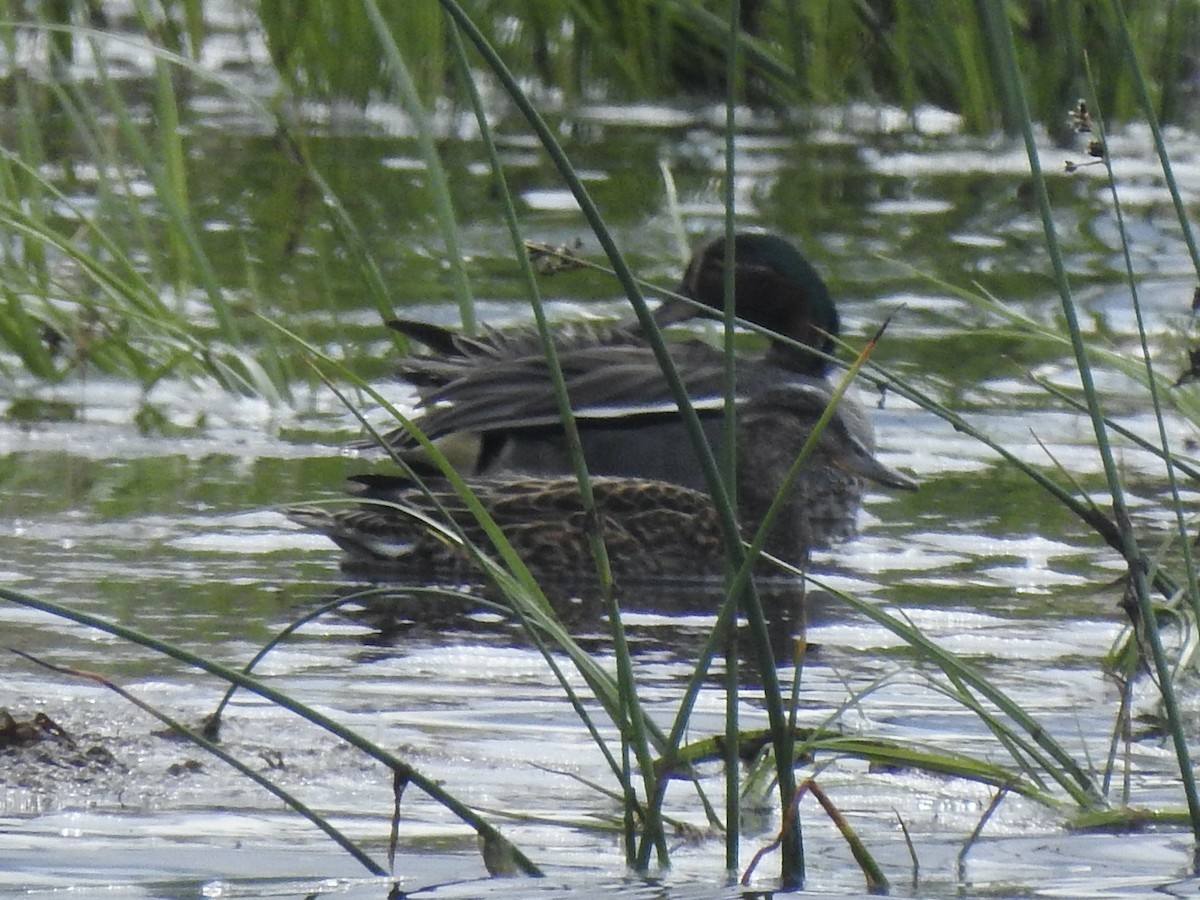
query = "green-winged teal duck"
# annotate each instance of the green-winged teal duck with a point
(496, 388)
(653, 529)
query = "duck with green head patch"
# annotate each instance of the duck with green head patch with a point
(496, 388)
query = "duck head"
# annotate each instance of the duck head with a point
(775, 287)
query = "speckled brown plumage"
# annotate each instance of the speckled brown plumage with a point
(652, 530)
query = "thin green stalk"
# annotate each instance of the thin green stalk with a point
(174, 173)
(29, 191)
(798, 660)
(1185, 543)
(439, 184)
(429, 786)
(729, 464)
(631, 719)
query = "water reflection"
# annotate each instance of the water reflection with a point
(658, 618)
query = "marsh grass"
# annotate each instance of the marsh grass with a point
(907, 53)
(76, 297)
(73, 275)
(1138, 603)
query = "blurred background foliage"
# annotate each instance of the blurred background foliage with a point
(797, 52)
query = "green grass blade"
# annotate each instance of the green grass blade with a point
(430, 786)
(436, 173)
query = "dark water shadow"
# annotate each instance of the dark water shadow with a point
(670, 621)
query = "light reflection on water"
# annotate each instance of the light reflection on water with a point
(462, 703)
(180, 535)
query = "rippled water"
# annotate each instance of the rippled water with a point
(180, 536)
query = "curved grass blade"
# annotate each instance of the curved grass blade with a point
(220, 753)
(626, 683)
(429, 786)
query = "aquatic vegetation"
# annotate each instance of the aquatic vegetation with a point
(795, 53)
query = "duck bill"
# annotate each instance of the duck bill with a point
(669, 312)
(871, 468)
(673, 310)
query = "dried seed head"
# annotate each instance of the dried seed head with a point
(548, 260)
(1079, 118)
